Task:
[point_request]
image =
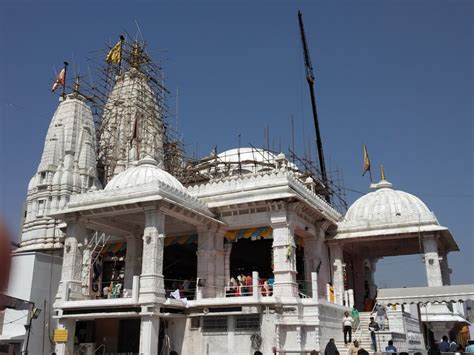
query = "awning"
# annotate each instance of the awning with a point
(253, 233)
(426, 295)
(256, 234)
(231, 236)
(15, 303)
(181, 240)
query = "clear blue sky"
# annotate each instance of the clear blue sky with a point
(396, 75)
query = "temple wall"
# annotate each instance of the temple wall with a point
(308, 327)
(35, 277)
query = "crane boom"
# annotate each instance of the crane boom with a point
(310, 80)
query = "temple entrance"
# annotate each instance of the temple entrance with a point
(251, 255)
(180, 267)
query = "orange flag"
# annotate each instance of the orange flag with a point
(59, 80)
(366, 161)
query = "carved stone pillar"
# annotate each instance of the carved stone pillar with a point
(433, 268)
(284, 257)
(71, 283)
(133, 259)
(338, 272)
(219, 264)
(227, 252)
(359, 280)
(370, 266)
(311, 261)
(206, 254)
(445, 270)
(149, 333)
(151, 279)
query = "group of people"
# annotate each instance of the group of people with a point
(355, 349)
(450, 346)
(350, 322)
(242, 285)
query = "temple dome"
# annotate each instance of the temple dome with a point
(386, 208)
(146, 171)
(250, 160)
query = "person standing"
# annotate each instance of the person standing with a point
(373, 327)
(453, 346)
(347, 327)
(380, 315)
(469, 347)
(390, 348)
(355, 317)
(444, 345)
(354, 348)
(331, 348)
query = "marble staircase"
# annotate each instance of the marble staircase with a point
(362, 334)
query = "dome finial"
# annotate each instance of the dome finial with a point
(382, 173)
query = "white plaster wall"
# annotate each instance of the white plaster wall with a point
(399, 340)
(194, 341)
(30, 280)
(330, 322)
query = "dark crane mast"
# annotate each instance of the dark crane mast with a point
(310, 80)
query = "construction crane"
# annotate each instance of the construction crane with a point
(310, 80)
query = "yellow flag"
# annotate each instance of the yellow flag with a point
(366, 161)
(115, 54)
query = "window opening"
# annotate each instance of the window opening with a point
(214, 324)
(247, 322)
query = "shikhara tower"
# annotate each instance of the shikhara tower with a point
(132, 121)
(67, 166)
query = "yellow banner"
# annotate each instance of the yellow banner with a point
(115, 54)
(60, 335)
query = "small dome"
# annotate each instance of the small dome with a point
(32, 183)
(146, 171)
(384, 207)
(66, 178)
(57, 177)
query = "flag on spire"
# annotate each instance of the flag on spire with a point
(366, 163)
(60, 80)
(115, 54)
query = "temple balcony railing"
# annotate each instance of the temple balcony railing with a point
(71, 299)
(256, 293)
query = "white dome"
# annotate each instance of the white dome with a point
(251, 160)
(253, 154)
(145, 172)
(386, 207)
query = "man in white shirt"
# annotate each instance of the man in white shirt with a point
(380, 315)
(347, 327)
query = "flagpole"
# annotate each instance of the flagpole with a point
(122, 38)
(64, 86)
(370, 175)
